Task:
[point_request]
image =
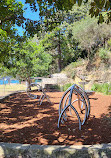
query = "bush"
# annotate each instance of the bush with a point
(103, 54)
(103, 88)
(66, 86)
(109, 43)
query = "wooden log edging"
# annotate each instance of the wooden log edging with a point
(13, 150)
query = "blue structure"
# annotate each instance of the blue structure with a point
(7, 80)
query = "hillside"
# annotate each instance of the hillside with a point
(90, 72)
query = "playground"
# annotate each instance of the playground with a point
(23, 120)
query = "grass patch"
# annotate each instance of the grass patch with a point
(10, 88)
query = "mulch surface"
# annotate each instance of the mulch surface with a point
(23, 120)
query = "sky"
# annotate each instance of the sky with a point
(28, 14)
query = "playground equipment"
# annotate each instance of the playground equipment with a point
(75, 97)
(35, 91)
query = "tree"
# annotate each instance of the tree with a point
(59, 42)
(101, 8)
(61, 47)
(11, 14)
(90, 35)
(29, 59)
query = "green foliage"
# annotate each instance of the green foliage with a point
(29, 59)
(103, 54)
(90, 35)
(103, 88)
(76, 64)
(72, 32)
(99, 6)
(59, 42)
(3, 43)
(59, 46)
(96, 7)
(66, 86)
(109, 44)
(11, 14)
(84, 32)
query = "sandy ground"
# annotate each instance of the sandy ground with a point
(11, 88)
(23, 120)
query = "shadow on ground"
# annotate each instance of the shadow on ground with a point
(23, 120)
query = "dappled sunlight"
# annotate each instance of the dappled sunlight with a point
(23, 120)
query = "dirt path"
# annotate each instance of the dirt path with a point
(22, 120)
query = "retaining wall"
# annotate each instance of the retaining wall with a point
(12, 150)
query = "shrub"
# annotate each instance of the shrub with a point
(103, 88)
(103, 54)
(109, 43)
(66, 86)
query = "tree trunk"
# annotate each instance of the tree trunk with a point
(104, 43)
(88, 54)
(28, 82)
(59, 54)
